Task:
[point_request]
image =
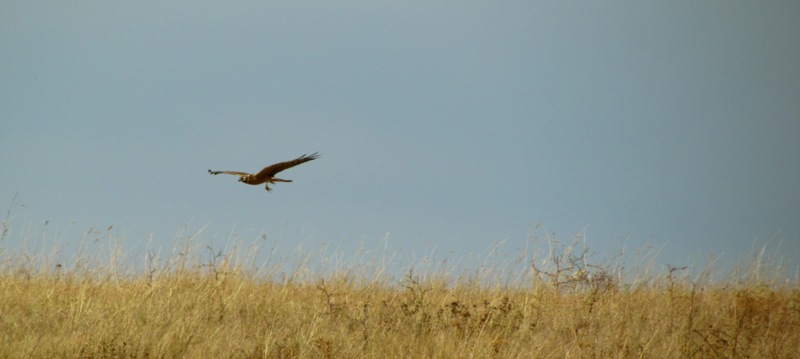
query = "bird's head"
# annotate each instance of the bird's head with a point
(242, 178)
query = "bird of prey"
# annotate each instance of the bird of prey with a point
(267, 175)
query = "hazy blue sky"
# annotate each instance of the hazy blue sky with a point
(453, 125)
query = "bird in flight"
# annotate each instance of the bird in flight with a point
(267, 175)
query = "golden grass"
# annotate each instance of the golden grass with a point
(189, 309)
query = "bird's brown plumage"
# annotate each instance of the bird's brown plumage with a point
(267, 175)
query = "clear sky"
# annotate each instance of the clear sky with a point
(448, 125)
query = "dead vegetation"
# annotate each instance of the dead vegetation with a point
(223, 306)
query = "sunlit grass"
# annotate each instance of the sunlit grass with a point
(199, 301)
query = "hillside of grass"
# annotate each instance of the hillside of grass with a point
(226, 306)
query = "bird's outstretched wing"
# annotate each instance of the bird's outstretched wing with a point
(271, 171)
(228, 173)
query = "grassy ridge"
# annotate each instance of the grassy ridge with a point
(220, 309)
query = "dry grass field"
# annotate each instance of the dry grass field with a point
(223, 306)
